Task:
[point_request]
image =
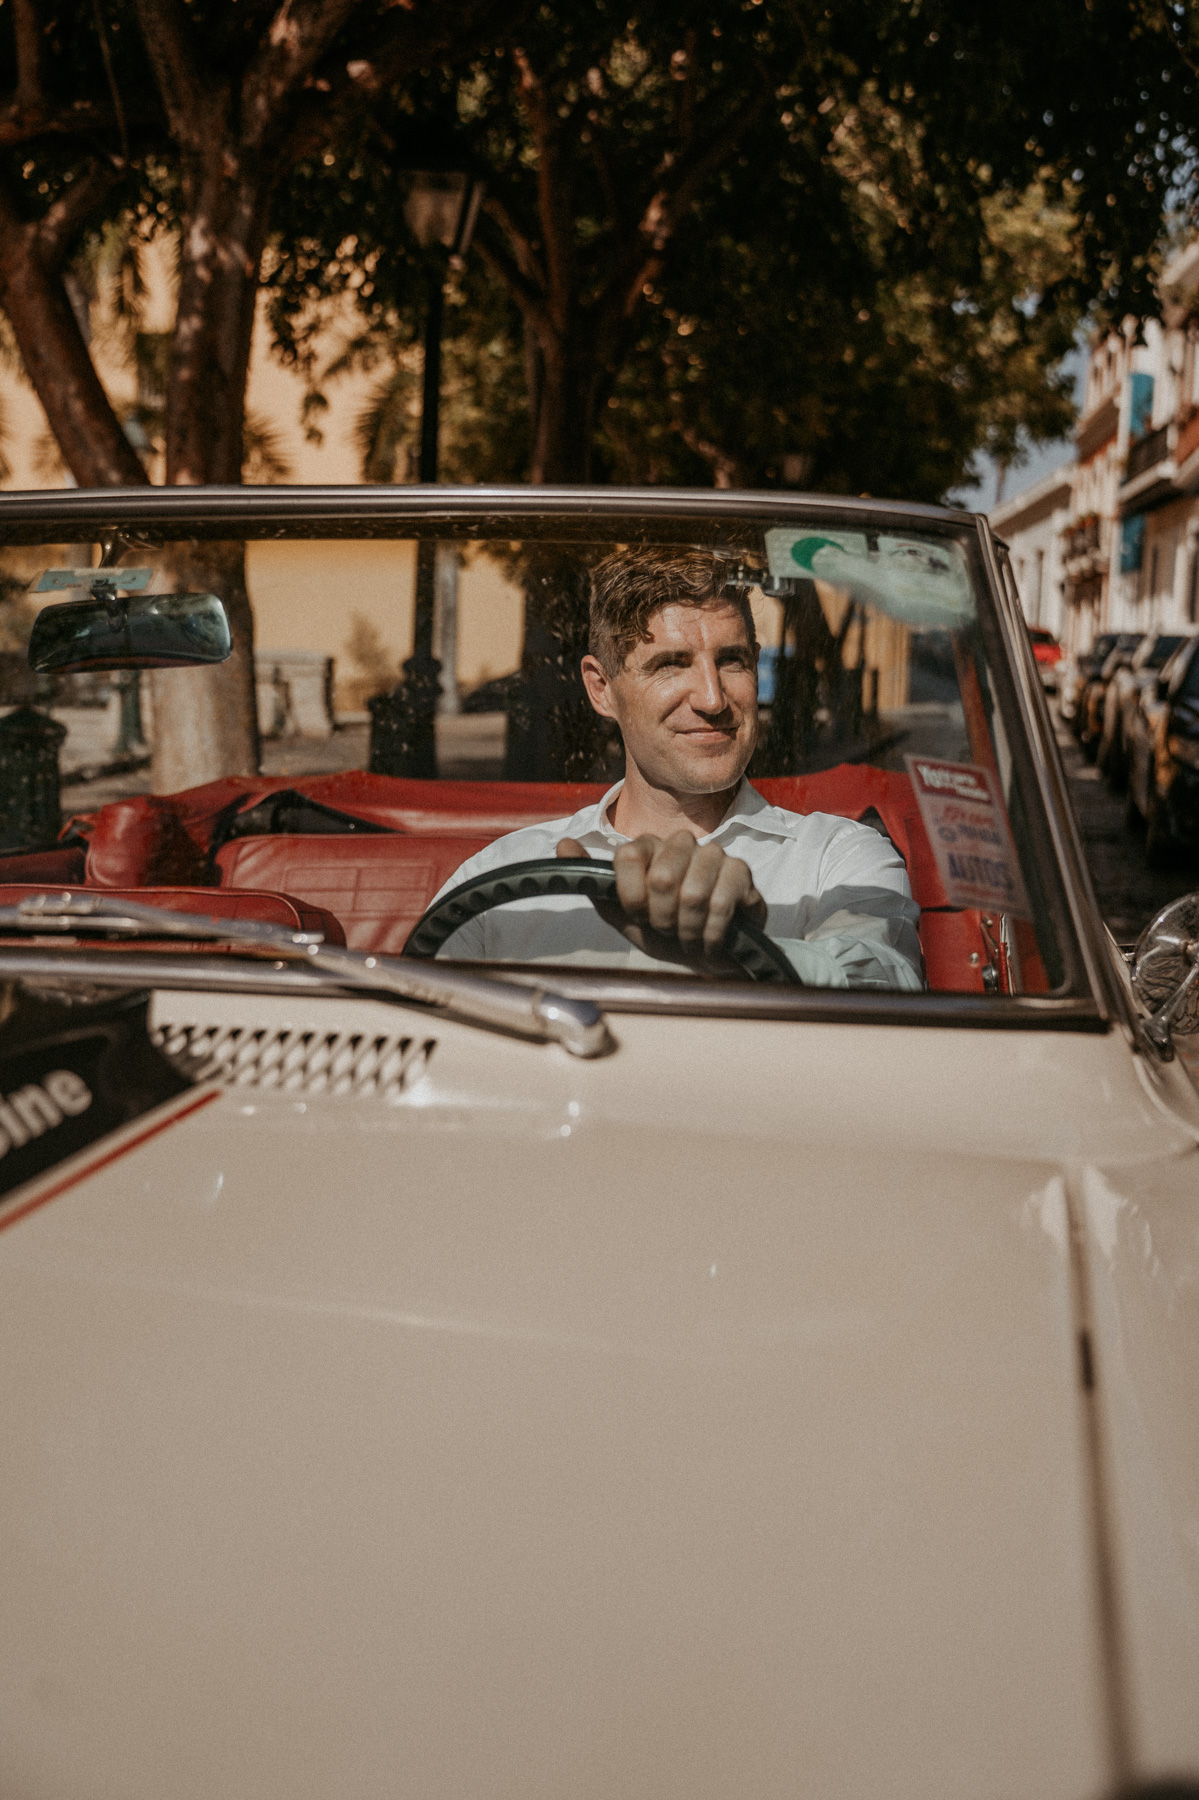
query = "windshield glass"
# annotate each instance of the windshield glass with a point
(799, 727)
(1161, 650)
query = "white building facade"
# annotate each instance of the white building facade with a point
(1129, 532)
(1033, 525)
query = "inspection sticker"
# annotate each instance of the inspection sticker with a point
(963, 813)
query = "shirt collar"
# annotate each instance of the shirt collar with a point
(747, 808)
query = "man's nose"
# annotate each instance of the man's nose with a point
(707, 693)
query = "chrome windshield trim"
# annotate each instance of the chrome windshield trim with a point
(309, 511)
(613, 993)
(1054, 788)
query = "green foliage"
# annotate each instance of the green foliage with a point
(762, 241)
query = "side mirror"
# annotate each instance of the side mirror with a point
(130, 631)
(1165, 972)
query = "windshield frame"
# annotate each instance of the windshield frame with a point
(1092, 996)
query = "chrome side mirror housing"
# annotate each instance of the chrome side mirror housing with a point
(1165, 973)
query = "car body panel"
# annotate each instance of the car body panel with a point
(745, 1411)
(1143, 1256)
(572, 1427)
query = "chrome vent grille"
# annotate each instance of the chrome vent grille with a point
(353, 1065)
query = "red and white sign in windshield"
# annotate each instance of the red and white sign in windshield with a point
(964, 816)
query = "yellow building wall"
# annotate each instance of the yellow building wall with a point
(353, 601)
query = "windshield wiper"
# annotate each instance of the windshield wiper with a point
(578, 1025)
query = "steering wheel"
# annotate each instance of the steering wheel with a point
(745, 943)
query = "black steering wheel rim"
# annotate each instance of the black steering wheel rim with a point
(748, 946)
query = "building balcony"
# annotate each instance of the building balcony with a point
(1148, 451)
(1149, 469)
(1082, 538)
(1097, 429)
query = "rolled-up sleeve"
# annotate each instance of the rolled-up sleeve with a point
(859, 930)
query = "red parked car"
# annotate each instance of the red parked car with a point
(1048, 653)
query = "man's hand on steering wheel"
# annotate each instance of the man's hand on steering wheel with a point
(680, 888)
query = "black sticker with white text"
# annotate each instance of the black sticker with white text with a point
(70, 1075)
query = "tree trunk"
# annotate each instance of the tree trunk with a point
(565, 414)
(197, 712)
(212, 713)
(224, 229)
(58, 363)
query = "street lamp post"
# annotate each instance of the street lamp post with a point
(440, 211)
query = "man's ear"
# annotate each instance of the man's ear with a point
(599, 688)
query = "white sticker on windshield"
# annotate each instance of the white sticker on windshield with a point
(920, 581)
(964, 816)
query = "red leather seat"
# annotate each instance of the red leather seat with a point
(377, 886)
(244, 903)
(62, 863)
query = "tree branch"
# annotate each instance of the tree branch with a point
(725, 467)
(27, 29)
(82, 120)
(181, 83)
(528, 296)
(58, 228)
(106, 54)
(55, 357)
(553, 190)
(405, 44)
(612, 200)
(295, 41)
(667, 205)
(527, 260)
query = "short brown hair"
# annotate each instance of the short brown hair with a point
(629, 586)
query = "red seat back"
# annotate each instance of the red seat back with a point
(377, 886)
(271, 909)
(63, 863)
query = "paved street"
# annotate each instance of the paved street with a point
(1129, 892)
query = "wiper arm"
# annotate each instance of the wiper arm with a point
(537, 1013)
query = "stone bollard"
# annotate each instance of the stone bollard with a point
(30, 808)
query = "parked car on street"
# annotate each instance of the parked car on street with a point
(1163, 778)
(1076, 671)
(470, 1331)
(1088, 721)
(1124, 686)
(1048, 654)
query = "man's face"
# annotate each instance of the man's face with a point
(686, 701)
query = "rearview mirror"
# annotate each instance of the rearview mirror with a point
(130, 631)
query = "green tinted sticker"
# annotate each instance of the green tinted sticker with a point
(920, 581)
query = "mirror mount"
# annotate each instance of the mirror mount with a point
(1165, 974)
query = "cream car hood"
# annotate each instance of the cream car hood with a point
(701, 1422)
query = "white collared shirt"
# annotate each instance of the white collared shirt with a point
(837, 898)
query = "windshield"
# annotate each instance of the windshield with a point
(1161, 650)
(809, 713)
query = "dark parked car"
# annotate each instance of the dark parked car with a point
(1088, 721)
(1078, 670)
(1163, 781)
(1122, 693)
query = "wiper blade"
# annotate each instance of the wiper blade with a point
(537, 1013)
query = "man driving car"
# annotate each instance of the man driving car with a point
(672, 660)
